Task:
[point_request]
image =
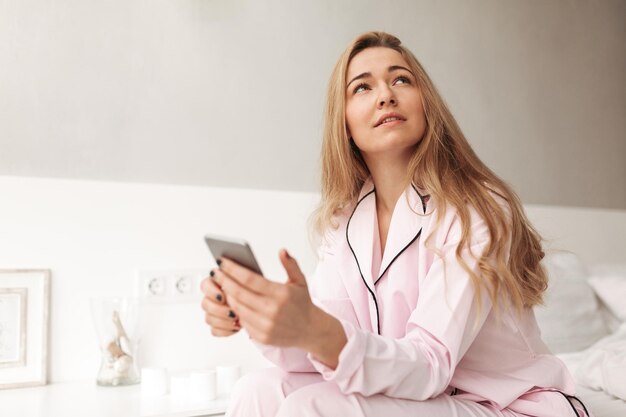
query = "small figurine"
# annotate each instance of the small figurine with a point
(119, 349)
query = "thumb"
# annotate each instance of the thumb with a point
(294, 274)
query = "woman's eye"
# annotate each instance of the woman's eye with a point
(360, 87)
(404, 80)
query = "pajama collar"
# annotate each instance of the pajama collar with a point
(362, 229)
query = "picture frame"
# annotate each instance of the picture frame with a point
(24, 322)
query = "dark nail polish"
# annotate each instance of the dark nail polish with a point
(231, 314)
(218, 297)
(212, 273)
(219, 262)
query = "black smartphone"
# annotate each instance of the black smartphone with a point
(237, 250)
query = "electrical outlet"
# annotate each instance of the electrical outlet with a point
(183, 285)
(170, 285)
(156, 286)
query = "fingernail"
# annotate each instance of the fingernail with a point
(219, 262)
(287, 253)
(212, 273)
(231, 314)
(218, 297)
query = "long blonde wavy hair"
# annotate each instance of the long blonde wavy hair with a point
(445, 167)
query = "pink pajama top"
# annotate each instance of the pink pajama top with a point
(412, 332)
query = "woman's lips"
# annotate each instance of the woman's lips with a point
(391, 124)
(388, 116)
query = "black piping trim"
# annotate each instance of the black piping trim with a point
(399, 253)
(569, 399)
(581, 403)
(357, 261)
(411, 242)
(421, 197)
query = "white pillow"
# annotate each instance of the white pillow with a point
(570, 320)
(609, 283)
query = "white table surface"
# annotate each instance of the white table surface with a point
(85, 398)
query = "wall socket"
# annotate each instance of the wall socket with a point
(170, 285)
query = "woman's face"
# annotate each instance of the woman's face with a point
(384, 111)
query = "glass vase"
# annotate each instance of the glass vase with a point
(116, 320)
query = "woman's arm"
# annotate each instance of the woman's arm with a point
(325, 339)
(443, 325)
(275, 314)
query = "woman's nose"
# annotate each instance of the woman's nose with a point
(386, 97)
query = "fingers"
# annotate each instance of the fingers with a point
(246, 277)
(223, 333)
(221, 318)
(292, 268)
(211, 290)
(221, 327)
(222, 323)
(219, 311)
(258, 326)
(238, 294)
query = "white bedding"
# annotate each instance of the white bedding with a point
(598, 402)
(603, 365)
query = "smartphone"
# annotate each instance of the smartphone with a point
(237, 250)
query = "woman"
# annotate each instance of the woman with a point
(421, 304)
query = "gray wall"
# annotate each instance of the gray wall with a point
(230, 92)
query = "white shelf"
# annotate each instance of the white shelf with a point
(85, 398)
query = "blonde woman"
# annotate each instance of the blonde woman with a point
(421, 304)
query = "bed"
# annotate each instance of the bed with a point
(599, 402)
(583, 322)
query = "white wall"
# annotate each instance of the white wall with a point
(206, 91)
(94, 235)
(596, 235)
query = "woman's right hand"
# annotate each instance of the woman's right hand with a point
(217, 312)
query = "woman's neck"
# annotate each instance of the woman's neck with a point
(389, 176)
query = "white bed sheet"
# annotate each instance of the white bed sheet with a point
(599, 403)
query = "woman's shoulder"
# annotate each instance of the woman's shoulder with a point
(449, 222)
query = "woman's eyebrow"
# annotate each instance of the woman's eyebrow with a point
(399, 67)
(369, 74)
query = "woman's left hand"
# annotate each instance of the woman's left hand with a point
(272, 313)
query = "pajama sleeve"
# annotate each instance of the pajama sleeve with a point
(443, 324)
(287, 359)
